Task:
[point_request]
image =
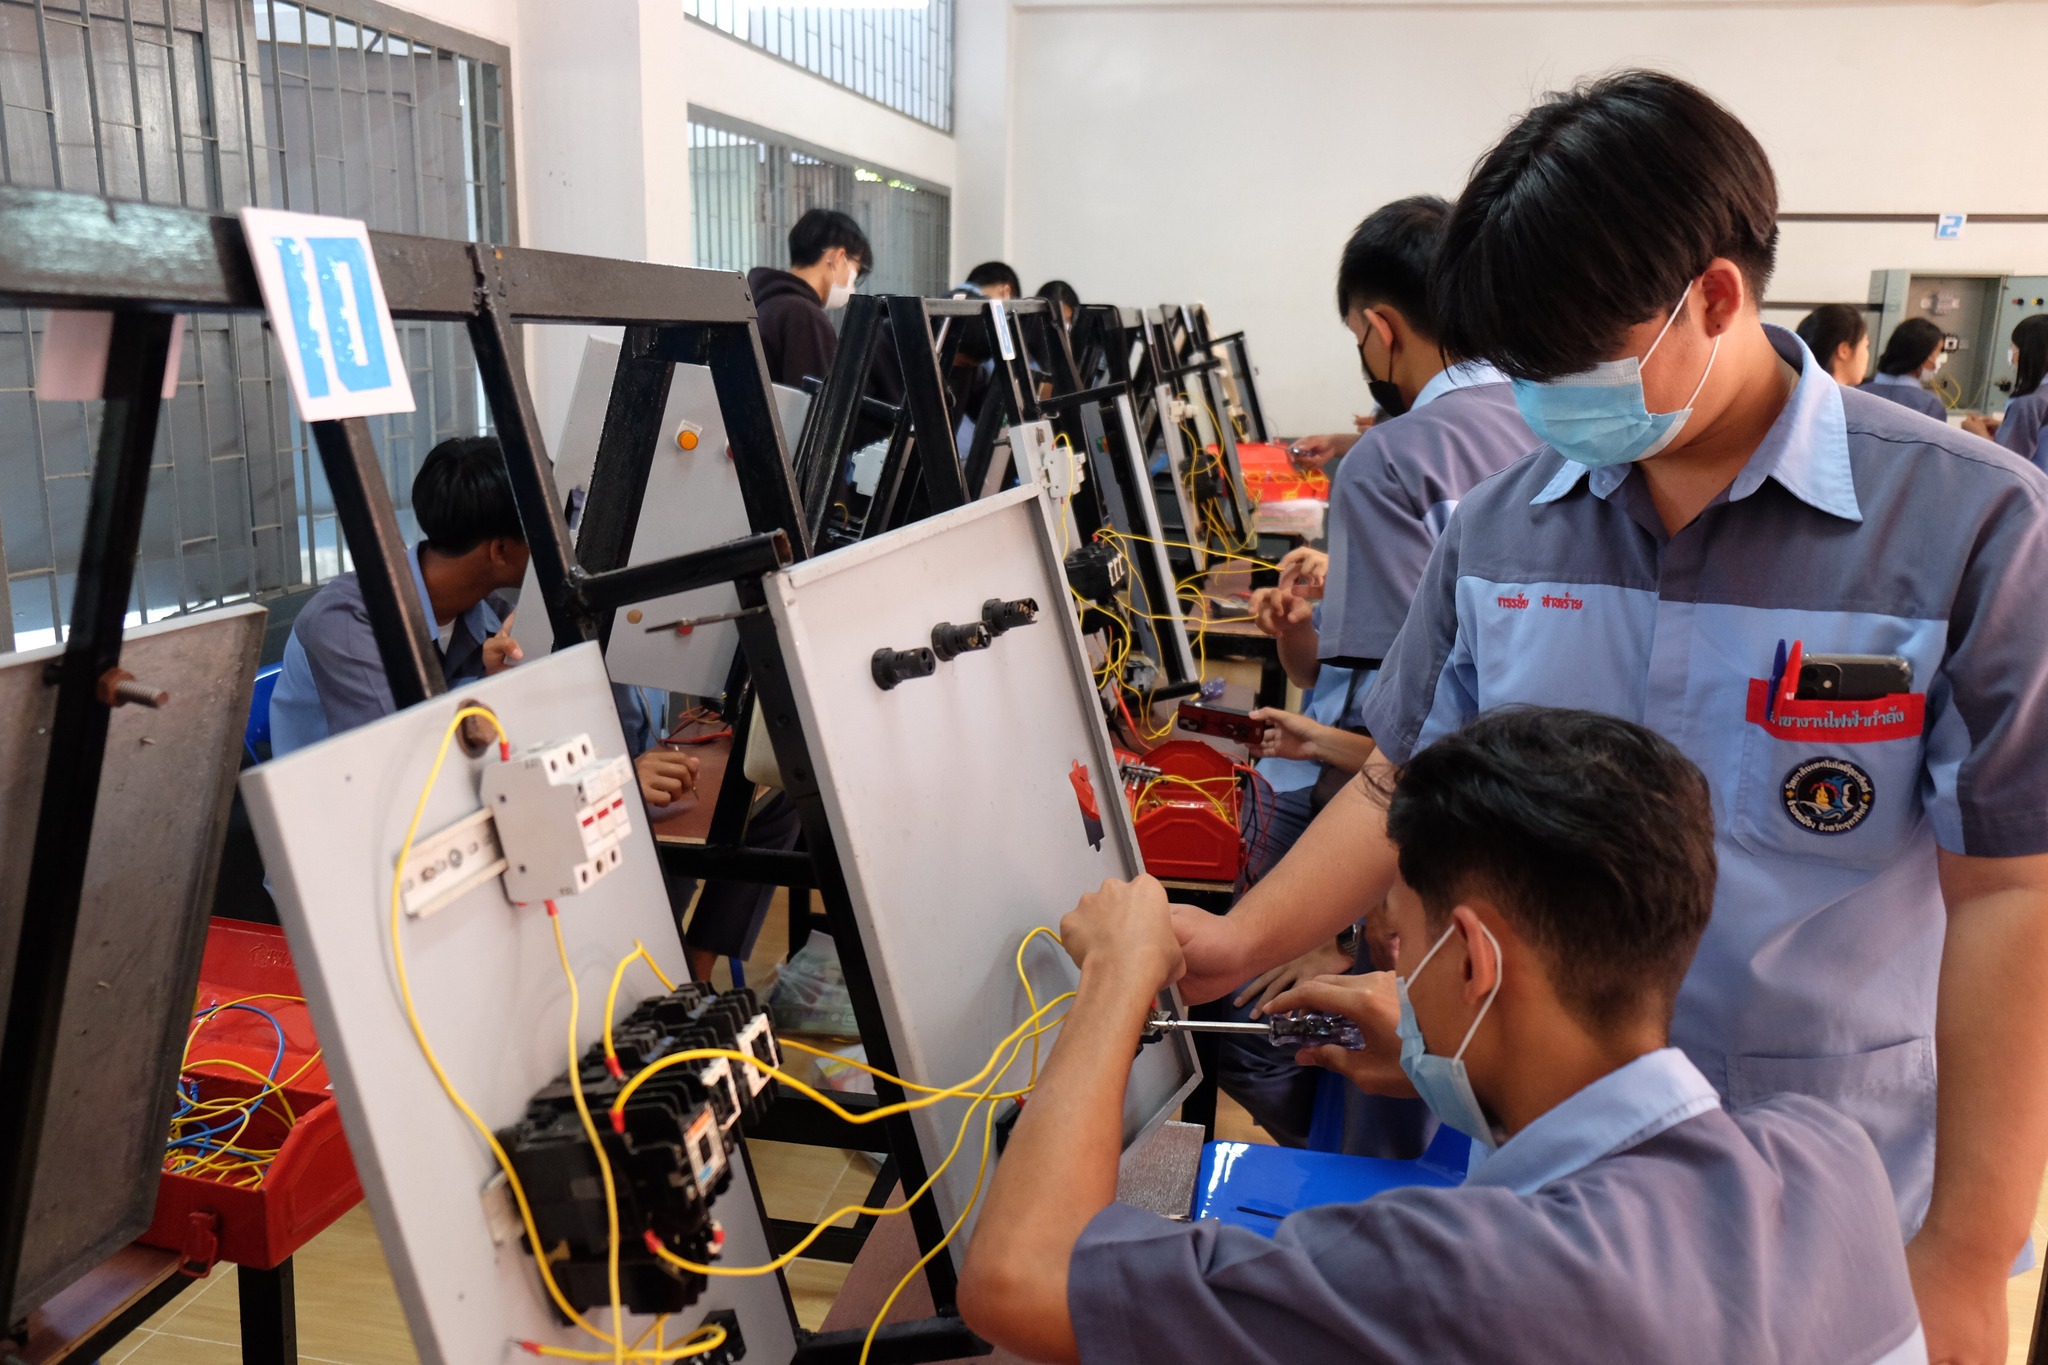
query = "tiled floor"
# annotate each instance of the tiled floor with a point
(348, 1312)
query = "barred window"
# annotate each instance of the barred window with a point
(899, 54)
(213, 104)
(748, 186)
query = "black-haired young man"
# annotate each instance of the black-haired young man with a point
(828, 256)
(1449, 424)
(1556, 871)
(474, 551)
(996, 280)
(1712, 507)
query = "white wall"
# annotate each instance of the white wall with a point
(601, 94)
(1223, 150)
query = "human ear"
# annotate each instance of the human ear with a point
(1482, 954)
(1724, 293)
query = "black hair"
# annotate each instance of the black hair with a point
(1059, 291)
(1912, 344)
(2031, 336)
(1593, 835)
(995, 272)
(1386, 260)
(462, 496)
(1592, 215)
(819, 230)
(1830, 327)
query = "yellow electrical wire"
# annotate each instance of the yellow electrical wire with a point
(604, 1163)
(989, 1095)
(701, 1054)
(611, 999)
(697, 1344)
(426, 1048)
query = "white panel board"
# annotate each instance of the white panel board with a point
(950, 798)
(331, 820)
(692, 503)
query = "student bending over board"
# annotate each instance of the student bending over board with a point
(1556, 872)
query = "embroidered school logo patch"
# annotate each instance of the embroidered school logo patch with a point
(1828, 795)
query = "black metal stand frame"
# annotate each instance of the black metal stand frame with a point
(1247, 377)
(147, 264)
(1186, 361)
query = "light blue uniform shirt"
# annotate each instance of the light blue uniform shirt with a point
(1379, 544)
(1855, 528)
(1907, 391)
(333, 678)
(1636, 1221)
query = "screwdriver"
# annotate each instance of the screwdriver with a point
(1297, 1029)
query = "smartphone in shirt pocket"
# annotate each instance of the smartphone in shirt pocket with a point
(1831, 767)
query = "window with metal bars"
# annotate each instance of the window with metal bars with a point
(213, 104)
(748, 186)
(898, 54)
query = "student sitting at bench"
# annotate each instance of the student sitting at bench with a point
(1556, 872)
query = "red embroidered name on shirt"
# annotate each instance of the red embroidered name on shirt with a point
(1518, 602)
(1564, 603)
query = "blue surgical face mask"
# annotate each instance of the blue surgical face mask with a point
(1441, 1081)
(1599, 417)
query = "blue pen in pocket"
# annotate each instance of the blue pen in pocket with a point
(1777, 680)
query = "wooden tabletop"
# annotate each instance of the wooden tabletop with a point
(132, 1283)
(689, 820)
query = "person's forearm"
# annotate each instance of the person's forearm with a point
(1345, 750)
(1340, 868)
(1991, 1044)
(1297, 647)
(1058, 1171)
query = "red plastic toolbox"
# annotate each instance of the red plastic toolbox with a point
(1188, 831)
(1270, 476)
(312, 1180)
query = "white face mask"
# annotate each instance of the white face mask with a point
(1940, 359)
(842, 290)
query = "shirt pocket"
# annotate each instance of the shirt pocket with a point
(1888, 1091)
(1837, 781)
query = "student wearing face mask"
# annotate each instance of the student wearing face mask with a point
(828, 255)
(1913, 356)
(1839, 338)
(2024, 428)
(1709, 498)
(1556, 869)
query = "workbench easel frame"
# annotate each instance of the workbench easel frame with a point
(147, 264)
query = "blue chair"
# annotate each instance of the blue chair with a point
(258, 730)
(1254, 1186)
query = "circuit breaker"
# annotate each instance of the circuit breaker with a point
(561, 815)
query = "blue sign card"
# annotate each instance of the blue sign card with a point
(1949, 226)
(326, 305)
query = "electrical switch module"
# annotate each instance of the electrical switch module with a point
(670, 1157)
(561, 815)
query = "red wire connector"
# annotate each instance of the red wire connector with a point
(611, 1064)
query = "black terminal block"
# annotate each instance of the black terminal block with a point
(1098, 571)
(1000, 616)
(730, 1351)
(670, 1159)
(949, 641)
(892, 666)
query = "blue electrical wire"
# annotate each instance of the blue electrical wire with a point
(189, 1100)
